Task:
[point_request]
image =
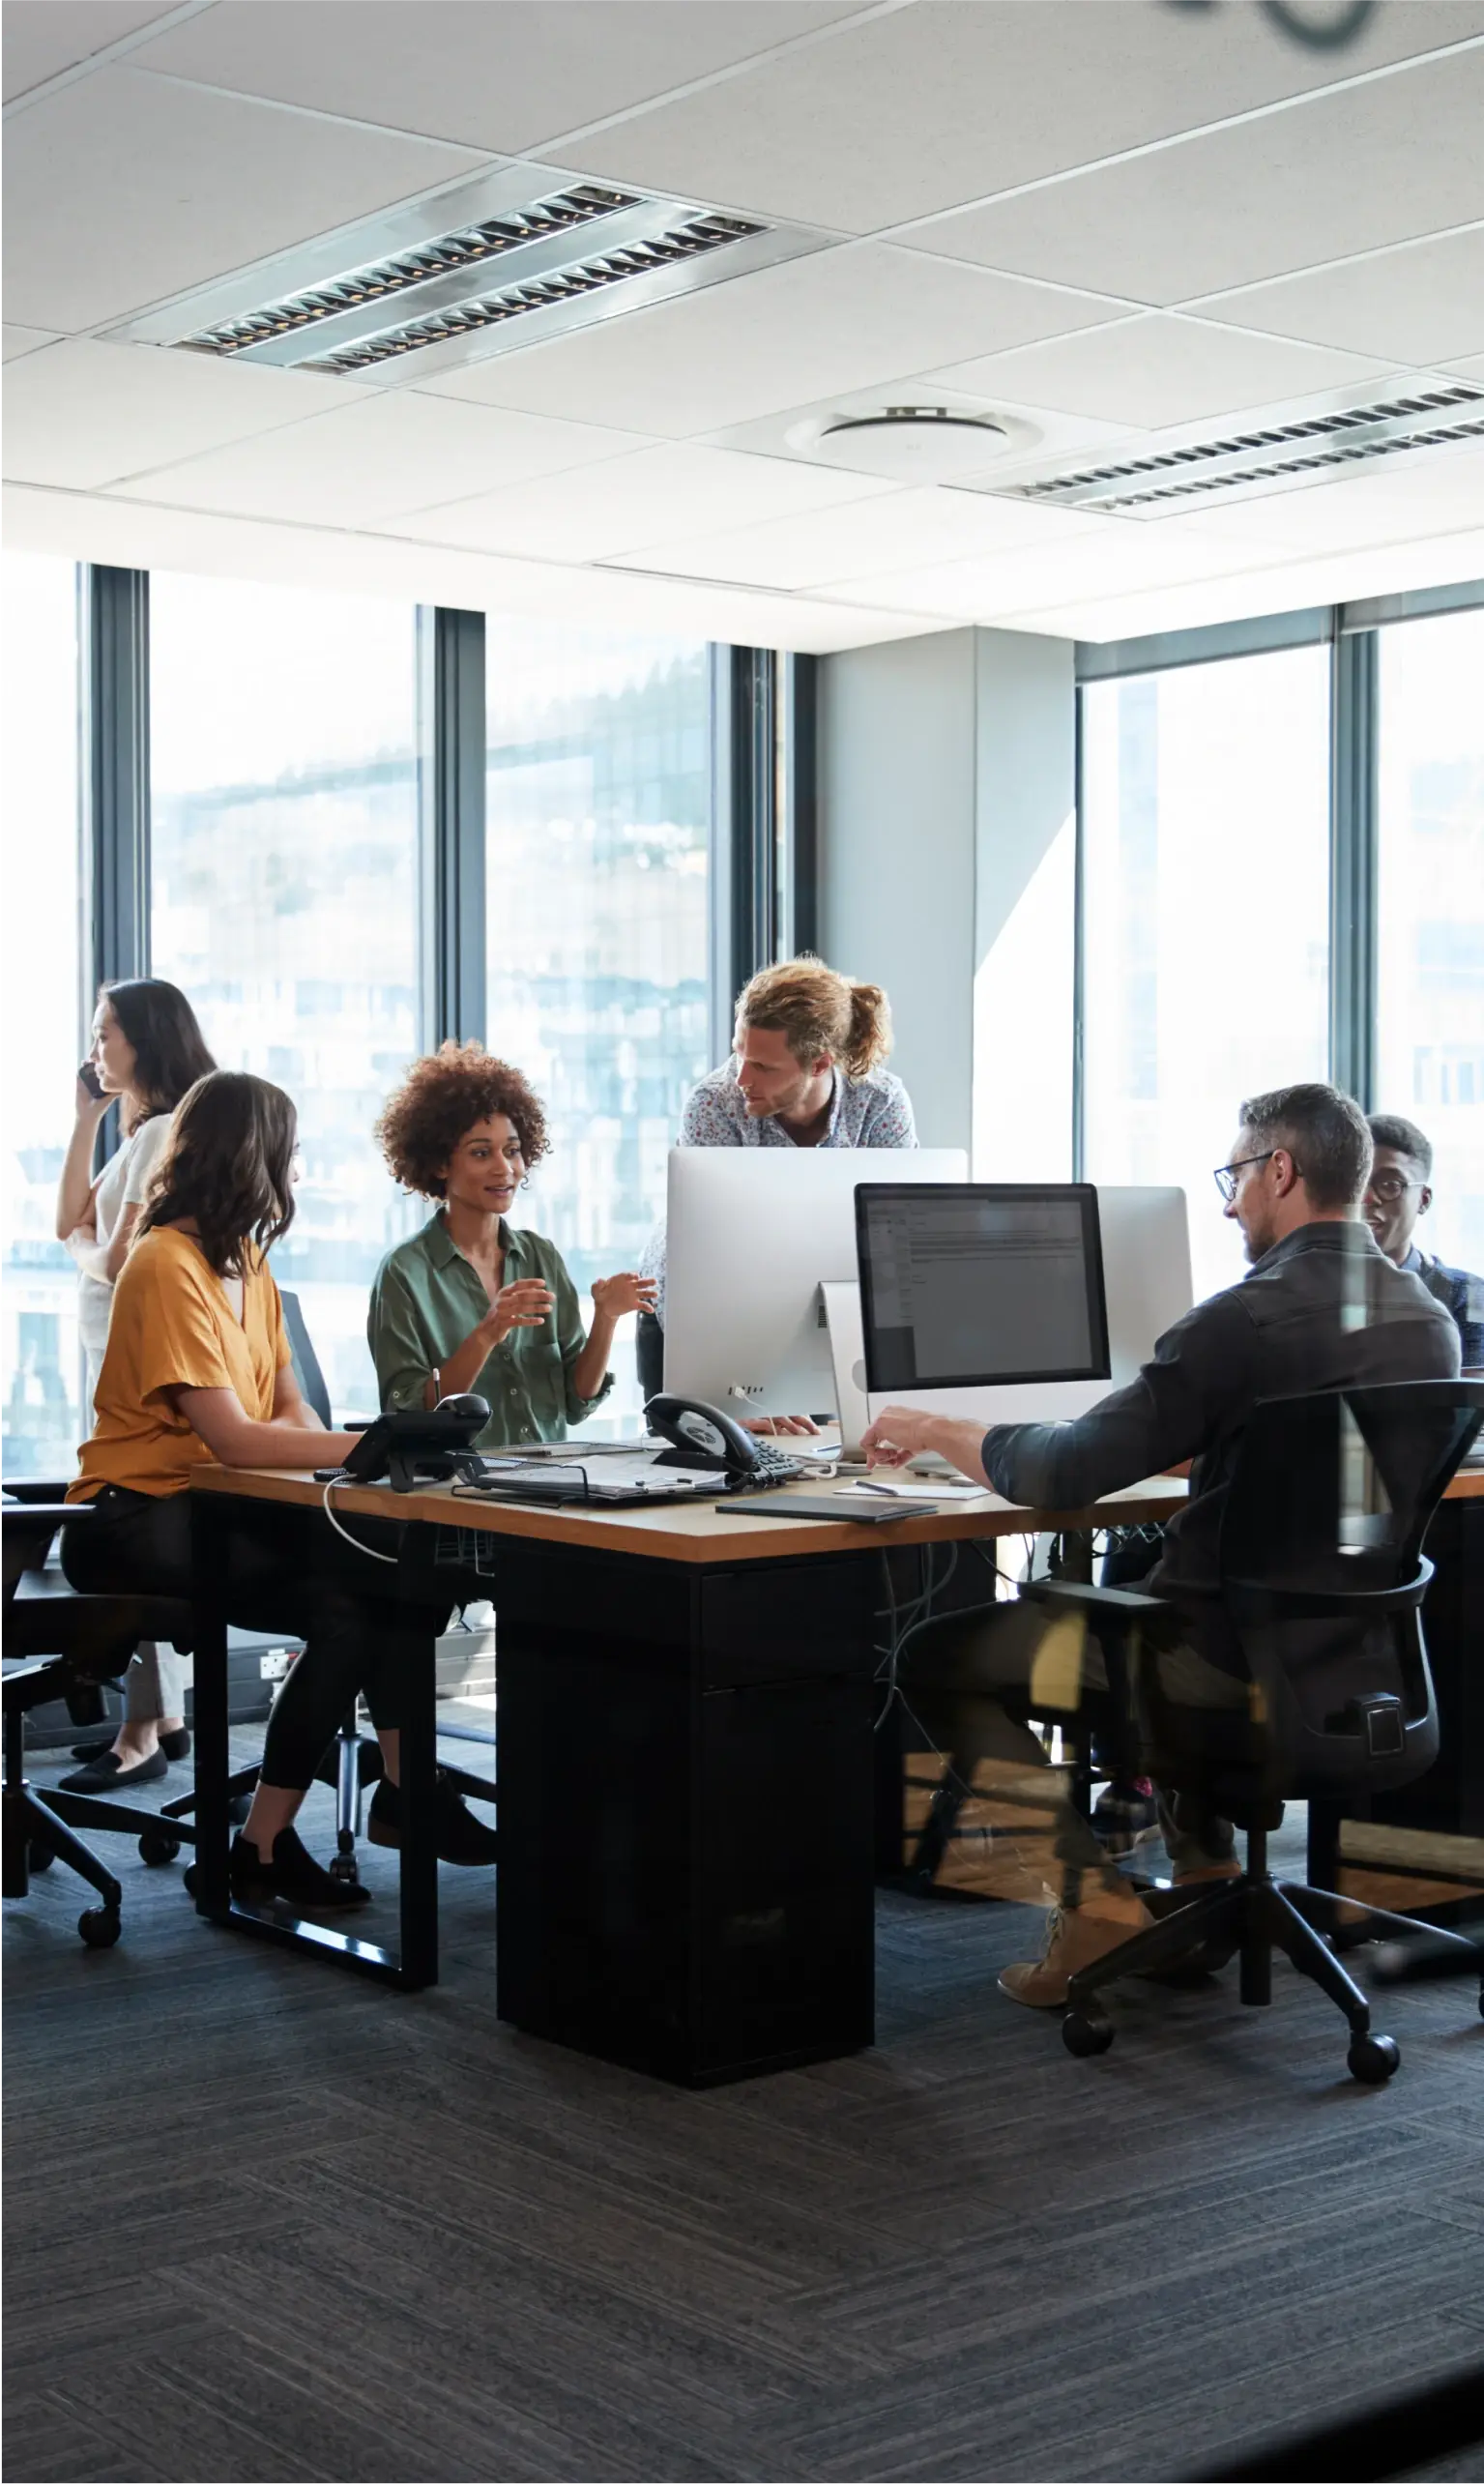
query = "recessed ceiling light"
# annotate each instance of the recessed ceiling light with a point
(917, 444)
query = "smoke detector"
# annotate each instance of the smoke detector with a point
(910, 444)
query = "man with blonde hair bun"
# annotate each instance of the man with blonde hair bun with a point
(807, 1069)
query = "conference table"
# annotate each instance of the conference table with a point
(687, 1757)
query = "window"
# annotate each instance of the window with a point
(1205, 879)
(598, 804)
(1430, 1050)
(43, 1010)
(284, 896)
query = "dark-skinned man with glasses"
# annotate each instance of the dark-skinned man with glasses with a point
(1321, 1306)
(1398, 1192)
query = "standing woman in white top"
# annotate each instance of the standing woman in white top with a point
(147, 1050)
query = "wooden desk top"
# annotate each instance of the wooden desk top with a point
(697, 1532)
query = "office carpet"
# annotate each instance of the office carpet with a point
(264, 2221)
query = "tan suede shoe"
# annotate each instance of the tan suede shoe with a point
(1074, 1940)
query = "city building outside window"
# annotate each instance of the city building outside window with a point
(45, 1009)
(1205, 879)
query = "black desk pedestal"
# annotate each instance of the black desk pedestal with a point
(685, 1808)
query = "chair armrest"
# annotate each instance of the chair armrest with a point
(33, 1489)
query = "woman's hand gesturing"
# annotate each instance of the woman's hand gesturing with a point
(524, 1304)
(614, 1295)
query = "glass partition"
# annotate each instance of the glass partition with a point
(1206, 917)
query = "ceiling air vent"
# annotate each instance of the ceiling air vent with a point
(515, 257)
(1265, 459)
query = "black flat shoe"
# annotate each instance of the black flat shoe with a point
(458, 1836)
(107, 1774)
(292, 1873)
(175, 1746)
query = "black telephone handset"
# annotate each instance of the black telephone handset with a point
(703, 1436)
(426, 1446)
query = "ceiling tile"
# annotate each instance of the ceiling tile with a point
(838, 320)
(1332, 176)
(121, 188)
(1423, 302)
(504, 75)
(1110, 556)
(1467, 367)
(81, 414)
(44, 37)
(632, 500)
(1384, 570)
(375, 456)
(24, 341)
(954, 100)
(1335, 515)
(1156, 372)
(866, 538)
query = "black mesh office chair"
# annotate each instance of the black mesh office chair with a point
(58, 1644)
(1322, 1578)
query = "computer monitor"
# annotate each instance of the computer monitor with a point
(1055, 1299)
(977, 1285)
(753, 1233)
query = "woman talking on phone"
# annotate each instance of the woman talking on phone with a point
(147, 1050)
(197, 1367)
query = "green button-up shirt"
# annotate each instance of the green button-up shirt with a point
(424, 1300)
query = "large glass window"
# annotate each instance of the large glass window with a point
(598, 795)
(43, 1010)
(1430, 1054)
(1205, 879)
(285, 886)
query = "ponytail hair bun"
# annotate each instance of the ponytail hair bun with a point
(820, 1014)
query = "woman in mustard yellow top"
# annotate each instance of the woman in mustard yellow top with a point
(197, 1367)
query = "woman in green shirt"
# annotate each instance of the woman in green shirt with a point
(471, 1302)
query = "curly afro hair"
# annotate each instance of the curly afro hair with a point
(442, 1098)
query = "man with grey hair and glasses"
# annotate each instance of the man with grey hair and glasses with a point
(1398, 1192)
(1320, 1307)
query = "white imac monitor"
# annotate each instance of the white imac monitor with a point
(752, 1234)
(1014, 1303)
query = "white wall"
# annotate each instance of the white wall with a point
(946, 787)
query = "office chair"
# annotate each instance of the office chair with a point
(58, 1644)
(1322, 1578)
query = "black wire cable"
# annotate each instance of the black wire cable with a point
(1324, 33)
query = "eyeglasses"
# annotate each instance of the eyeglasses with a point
(1390, 1186)
(1225, 1175)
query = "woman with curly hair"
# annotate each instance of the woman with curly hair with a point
(472, 1302)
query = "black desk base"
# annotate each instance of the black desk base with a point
(685, 1813)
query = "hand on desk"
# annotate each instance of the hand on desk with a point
(903, 1432)
(791, 1424)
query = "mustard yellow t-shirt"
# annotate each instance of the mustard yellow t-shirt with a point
(173, 1327)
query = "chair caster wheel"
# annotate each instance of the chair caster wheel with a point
(189, 1880)
(238, 1809)
(1373, 2059)
(39, 1859)
(1085, 2035)
(100, 1926)
(156, 1846)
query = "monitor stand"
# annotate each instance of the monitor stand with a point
(841, 1303)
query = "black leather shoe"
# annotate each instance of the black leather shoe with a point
(175, 1746)
(291, 1873)
(107, 1774)
(459, 1837)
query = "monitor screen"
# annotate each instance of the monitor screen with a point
(975, 1283)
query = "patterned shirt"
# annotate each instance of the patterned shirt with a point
(873, 1111)
(1459, 1293)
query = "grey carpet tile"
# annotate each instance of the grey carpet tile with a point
(356, 2234)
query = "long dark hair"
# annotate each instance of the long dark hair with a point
(229, 1165)
(169, 1048)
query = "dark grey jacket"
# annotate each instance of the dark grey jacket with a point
(1321, 1309)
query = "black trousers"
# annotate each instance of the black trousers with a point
(287, 1570)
